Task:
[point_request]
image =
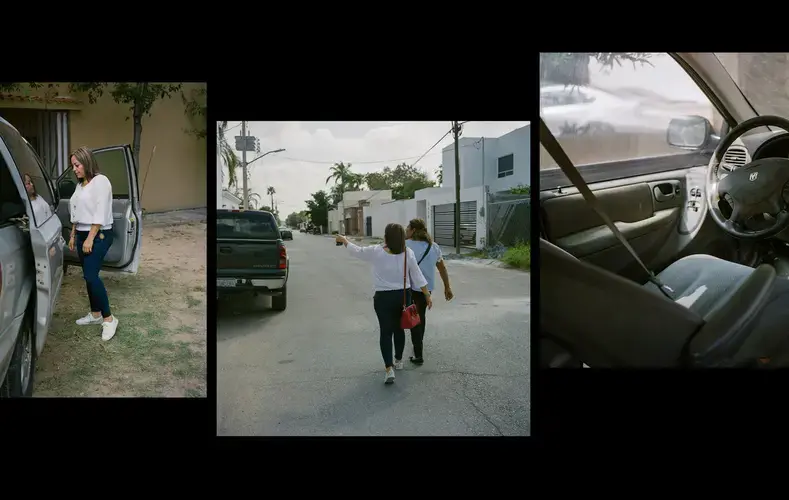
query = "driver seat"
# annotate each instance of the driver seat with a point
(723, 314)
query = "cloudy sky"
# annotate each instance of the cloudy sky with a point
(311, 148)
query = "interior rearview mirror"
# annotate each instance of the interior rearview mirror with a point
(689, 132)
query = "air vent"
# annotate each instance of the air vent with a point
(736, 156)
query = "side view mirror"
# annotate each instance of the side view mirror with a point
(689, 132)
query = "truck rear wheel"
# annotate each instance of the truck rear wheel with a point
(280, 302)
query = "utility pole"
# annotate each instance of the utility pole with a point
(244, 163)
(456, 133)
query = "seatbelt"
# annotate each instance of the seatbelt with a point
(551, 145)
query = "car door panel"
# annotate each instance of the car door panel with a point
(117, 162)
(649, 210)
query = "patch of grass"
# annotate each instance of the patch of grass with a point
(141, 360)
(518, 256)
(478, 254)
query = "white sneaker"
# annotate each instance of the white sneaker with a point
(108, 328)
(389, 377)
(90, 320)
(398, 364)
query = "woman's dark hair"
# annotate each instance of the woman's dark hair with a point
(34, 194)
(394, 237)
(88, 161)
(419, 231)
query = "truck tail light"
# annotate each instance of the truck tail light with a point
(283, 257)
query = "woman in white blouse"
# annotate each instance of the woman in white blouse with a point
(41, 209)
(388, 262)
(90, 208)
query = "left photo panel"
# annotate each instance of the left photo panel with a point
(102, 239)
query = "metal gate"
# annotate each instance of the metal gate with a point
(368, 223)
(444, 224)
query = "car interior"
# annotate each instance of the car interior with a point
(680, 289)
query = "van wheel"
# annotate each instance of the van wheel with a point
(19, 378)
(280, 302)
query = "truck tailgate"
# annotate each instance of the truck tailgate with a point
(242, 258)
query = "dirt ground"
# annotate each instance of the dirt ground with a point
(160, 347)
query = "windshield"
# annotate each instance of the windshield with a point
(246, 225)
(762, 78)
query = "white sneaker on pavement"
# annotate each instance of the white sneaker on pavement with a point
(108, 328)
(90, 320)
(389, 377)
(398, 364)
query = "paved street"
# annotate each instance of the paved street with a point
(316, 368)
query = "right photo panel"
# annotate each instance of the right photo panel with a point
(664, 186)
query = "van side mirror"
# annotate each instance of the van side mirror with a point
(689, 132)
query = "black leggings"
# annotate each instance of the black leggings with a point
(418, 332)
(389, 308)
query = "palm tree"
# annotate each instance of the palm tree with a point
(228, 155)
(344, 178)
(270, 191)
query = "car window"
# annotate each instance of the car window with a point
(252, 225)
(10, 203)
(646, 91)
(27, 162)
(112, 164)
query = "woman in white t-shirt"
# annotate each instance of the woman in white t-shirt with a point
(41, 209)
(388, 261)
(90, 208)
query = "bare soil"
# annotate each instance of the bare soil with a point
(159, 349)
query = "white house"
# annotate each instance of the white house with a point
(230, 201)
(347, 217)
(500, 163)
(487, 165)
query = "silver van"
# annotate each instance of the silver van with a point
(33, 253)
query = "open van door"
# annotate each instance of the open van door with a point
(45, 235)
(117, 163)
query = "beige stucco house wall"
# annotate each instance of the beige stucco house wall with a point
(176, 177)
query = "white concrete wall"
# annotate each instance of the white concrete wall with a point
(352, 198)
(477, 170)
(402, 211)
(229, 201)
(335, 220)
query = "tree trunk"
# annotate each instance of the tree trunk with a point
(138, 124)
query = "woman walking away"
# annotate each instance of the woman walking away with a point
(389, 273)
(41, 209)
(90, 208)
(429, 258)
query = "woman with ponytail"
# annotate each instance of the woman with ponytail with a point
(429, 258)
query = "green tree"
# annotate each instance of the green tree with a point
(196, 107)
(440, 175)
(318, 208)
(271, 192)
(572, 68)
(344, 180)
(295, 218)
(139, 96)
(228, 154)
(404, 180)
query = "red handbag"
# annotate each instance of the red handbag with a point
(410, 317)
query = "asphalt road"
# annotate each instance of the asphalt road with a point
(316, 368)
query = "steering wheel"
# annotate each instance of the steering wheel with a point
(753, 189)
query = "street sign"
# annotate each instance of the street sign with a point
(248, 143)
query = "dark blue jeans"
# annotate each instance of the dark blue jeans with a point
(389, 308)
(91, 265)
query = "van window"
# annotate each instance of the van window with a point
(11, 204)
(27, 162)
